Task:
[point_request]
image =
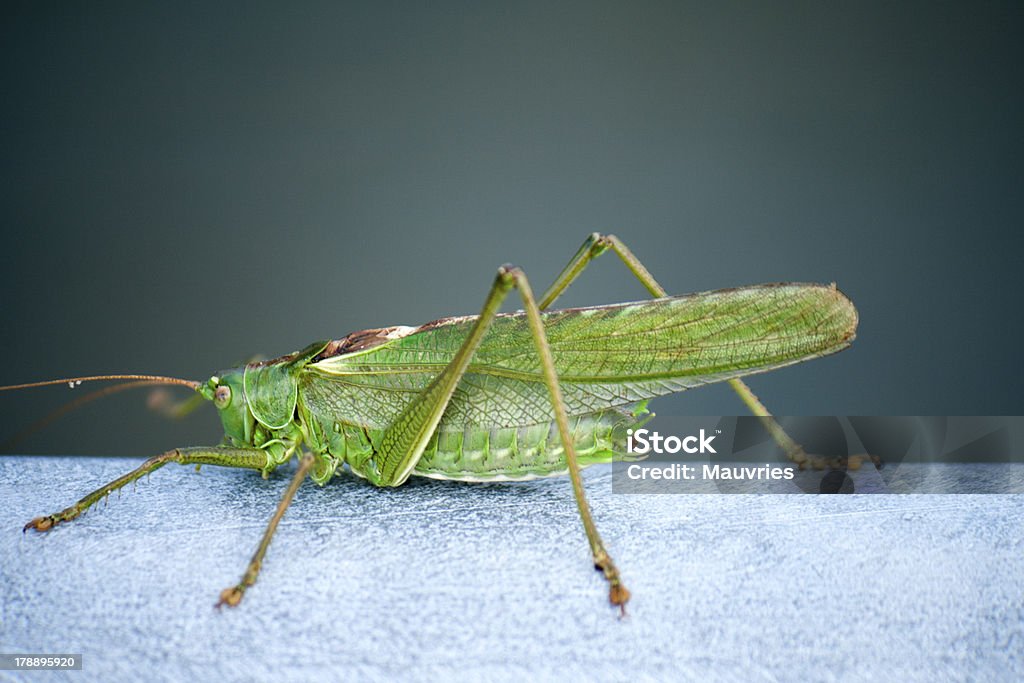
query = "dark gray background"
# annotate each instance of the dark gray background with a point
(189, 185)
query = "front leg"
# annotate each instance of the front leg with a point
(250, 458)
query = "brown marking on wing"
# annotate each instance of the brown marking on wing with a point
(451, 320)
(288, 358)
(364, 339)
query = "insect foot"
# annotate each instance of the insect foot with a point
(49, 521)
(230, 597)
(619, 595)
(820, 462)
(40, 524)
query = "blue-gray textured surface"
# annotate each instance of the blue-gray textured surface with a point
(438, 580)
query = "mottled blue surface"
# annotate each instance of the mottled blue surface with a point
(438, 580)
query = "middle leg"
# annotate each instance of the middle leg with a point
(404, 441)
(232, 596)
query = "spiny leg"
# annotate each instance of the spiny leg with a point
(597, 244)
(404, 441)
(232, 596)
(224, 457)
(618, 593)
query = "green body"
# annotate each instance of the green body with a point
(336, 399)
(499, 397)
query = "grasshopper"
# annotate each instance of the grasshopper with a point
(497, 397)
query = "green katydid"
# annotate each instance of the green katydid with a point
(498, 396)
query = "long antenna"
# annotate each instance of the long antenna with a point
(75, 381)
(42, 423)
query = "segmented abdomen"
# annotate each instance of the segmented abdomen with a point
(511, 453)
(497, 454)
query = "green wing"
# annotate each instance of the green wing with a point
(606, 356)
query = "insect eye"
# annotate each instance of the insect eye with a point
(222, 397)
